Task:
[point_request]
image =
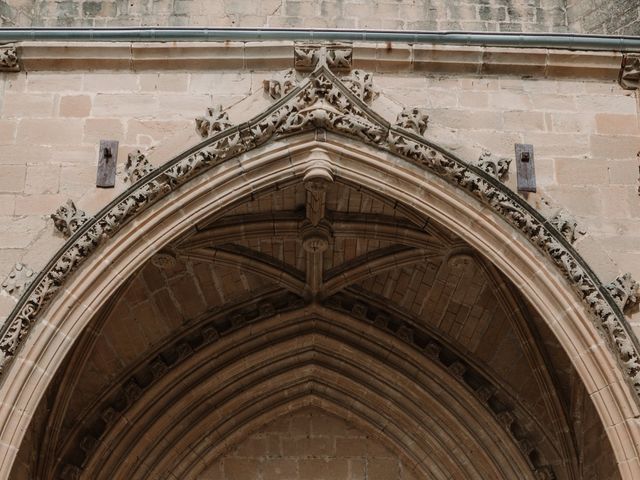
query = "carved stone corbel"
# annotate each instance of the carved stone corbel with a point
(137, 166)
(68, 218)
(624, 290)
(18, 280)
(215, 121)
(337, 57)
(414, 119)
(564, 222)
(281, 84)
(629, 77)
(496, 168)
(9, 59)
(305, 57)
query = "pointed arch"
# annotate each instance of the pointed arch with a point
(306, 127)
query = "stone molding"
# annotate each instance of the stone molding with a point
(323, 102)
(493, 397)
(630, 72)
(9, 59)
(371, 56)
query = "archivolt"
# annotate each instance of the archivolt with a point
(231, 164)
(315, 355)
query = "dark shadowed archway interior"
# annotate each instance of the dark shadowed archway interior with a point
(317, 330)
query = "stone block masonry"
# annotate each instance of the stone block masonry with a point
(470, 15)
(305, 445)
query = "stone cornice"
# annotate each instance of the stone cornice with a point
(375, 57)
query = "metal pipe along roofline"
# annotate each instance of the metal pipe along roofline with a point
(199, 34)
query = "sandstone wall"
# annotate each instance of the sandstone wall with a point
(611, 17)
(492, 15)
(577, 16)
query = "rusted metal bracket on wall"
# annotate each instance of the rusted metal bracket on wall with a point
(525, 168)
(107, 161)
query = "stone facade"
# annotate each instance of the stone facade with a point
(315, 262)
(577, 16)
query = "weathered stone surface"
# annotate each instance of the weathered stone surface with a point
(598, 16)
(630, 72)
(137, 166)
(214, 122)
(18, 280)
(9, 59)
(68, 218)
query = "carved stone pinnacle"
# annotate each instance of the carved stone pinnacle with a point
(624, 290)
(68, 218)
(9, 59)
(564, 222)
(281, 84)
(414, 119)
(630, 72)
(137, 167)
(214, 122)
(18, 280)
(361, 85)
(496, 168)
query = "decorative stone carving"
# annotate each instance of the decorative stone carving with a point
(544, 473)
(405, 333)
(88, 443)
(164, 260)
(214, 122)
(564, 222)
(485, 393)
(9, 59)
(158, 368)
(339, 58)
(70, 472)
(108, 415)
(624, 290)
(281, 84)
(414, 119)
(315, 238)
(361, 85)
(305, 57)
(132, 391)
(335, 57)
(432, 350)
(18, 280)
(457, 369)
(137, 166)
(68, 218)
(506, 419)
(496, 168)
(323, 101)
(630, 72)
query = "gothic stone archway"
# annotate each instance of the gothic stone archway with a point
(295, 218)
